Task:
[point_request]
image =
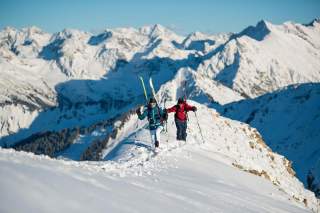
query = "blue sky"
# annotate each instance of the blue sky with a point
(184, 16)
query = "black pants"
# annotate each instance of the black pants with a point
(181, 129)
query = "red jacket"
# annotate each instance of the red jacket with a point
(181, 112)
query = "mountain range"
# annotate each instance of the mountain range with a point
(72, 94)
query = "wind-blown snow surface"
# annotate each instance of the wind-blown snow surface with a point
(185, 181)
(191, 177)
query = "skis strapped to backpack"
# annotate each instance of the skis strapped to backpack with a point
(152, 89)
(166, 119)
(154, 96)
(144, 88)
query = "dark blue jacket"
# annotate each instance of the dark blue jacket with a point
(154, 115)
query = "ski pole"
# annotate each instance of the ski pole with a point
(185, 96)
(199, 127)
(166, 121)
(185, 90)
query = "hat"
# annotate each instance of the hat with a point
(180, 101)
(152, 100)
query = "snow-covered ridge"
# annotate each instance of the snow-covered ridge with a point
(111, 188)
(227, 143)
(289, 121)
(234, 143)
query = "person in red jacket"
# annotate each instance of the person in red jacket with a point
(181, 117)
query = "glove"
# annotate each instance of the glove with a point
(138, 111)
(194, 109)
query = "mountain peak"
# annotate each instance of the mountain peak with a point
(69, 33)
(98, 39)
(314, 22)
(263, 24)
(9, 29)
(258, 32)
(32, 30)
(159, 27)
(156, 30)
(197, 34)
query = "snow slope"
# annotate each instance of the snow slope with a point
(195, 177)
(183, 184)
(288, 121)
(236, 144)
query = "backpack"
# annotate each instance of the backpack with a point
(157, 116)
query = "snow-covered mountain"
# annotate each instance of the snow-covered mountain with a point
(69, 68)
(267, 57)
(69, 94)
(195, 176)
(288, 121)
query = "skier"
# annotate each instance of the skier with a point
(155, 116)
(181, 117)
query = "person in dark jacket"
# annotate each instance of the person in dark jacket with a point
(155, 116)
(181, 117)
